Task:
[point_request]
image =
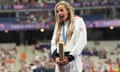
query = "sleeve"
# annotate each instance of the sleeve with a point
(81, 42)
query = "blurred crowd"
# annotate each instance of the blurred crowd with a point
(7, 59)
(43, 16)
(41, 62)
(100, 60)
(26, 4)
(94, 59)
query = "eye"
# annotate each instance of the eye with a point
(61, 10)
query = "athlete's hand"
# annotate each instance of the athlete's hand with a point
(58, 61)
(65, 61)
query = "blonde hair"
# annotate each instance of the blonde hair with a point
(71, 20)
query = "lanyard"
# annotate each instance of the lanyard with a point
(64, 34)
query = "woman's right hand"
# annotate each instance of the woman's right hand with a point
(58, 61)
(61, 62)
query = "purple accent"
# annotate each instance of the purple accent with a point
(89, 24)
(103, 23)
(49, 5)
(76, 4)
(22, 26)
(18, 7)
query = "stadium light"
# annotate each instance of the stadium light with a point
(42, 29)
(111, 27)
(6, 31)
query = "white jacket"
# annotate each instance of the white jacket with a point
(75, 46)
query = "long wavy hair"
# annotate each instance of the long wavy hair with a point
(71, 20)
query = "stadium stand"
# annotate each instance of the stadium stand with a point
(24, 21)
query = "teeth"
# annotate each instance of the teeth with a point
(61, 17)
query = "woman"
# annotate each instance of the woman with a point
(70, 29)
